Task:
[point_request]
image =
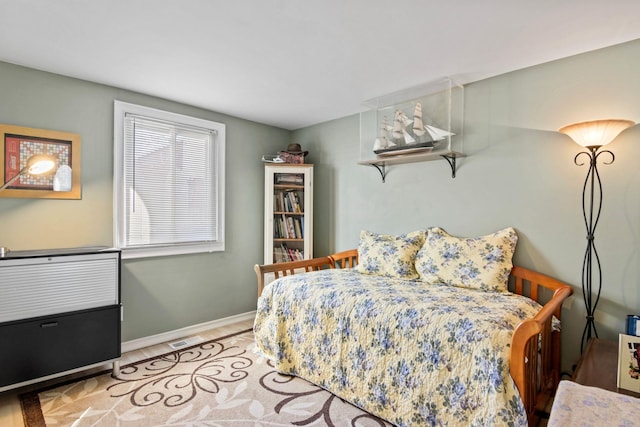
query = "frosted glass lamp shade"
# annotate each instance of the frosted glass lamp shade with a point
(595, 133)
(39, 164)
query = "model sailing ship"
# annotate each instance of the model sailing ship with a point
(405, 134)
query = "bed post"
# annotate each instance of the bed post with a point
(345, 259)
(260, 275)
(523, 362)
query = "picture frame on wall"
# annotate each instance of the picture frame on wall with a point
(629, 363)
(21, 146)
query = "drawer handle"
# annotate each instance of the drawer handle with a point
(49, 325)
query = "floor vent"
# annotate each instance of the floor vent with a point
(186, 342)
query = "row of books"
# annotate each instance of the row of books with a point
(288, 201)
(288, 227)
(284, 254)
(289, 178)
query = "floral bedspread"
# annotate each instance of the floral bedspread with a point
(410, 353)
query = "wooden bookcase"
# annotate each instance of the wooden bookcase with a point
(288, 216)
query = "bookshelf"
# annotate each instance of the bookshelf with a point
(288, 219)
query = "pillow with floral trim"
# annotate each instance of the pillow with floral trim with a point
(482, 263)
(389, 256)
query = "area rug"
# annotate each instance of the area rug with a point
(222, 382)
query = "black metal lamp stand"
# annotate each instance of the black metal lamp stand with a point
(591, 262)
(593, 135)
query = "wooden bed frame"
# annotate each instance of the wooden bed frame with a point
(535, 347)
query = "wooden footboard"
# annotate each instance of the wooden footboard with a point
(535, 346)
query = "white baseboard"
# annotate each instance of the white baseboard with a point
(184, 332)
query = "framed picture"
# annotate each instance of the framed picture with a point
(629, 363)
(22, 152)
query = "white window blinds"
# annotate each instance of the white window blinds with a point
(171, 186)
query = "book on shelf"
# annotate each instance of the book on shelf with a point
(285, 227)
(291, 229)
(290, 178)
(294, 199)
(277, 229)
(283, 253)
(282, 229)
(288, 201)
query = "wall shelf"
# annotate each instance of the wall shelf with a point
(391, 121)
(381, 163)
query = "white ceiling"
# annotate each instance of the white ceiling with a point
(294, 63)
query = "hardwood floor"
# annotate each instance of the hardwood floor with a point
(11, 414)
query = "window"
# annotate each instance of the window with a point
(168, 182)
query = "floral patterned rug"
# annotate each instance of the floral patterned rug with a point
(217, 383)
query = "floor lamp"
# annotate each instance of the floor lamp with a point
(593, 135)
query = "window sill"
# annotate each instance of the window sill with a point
(159, 251)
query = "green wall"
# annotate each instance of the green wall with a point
(518, 172)
(159, 294)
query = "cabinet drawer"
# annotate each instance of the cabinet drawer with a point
(48, 345)
(42, 286)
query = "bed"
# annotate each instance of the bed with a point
(409, 353)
